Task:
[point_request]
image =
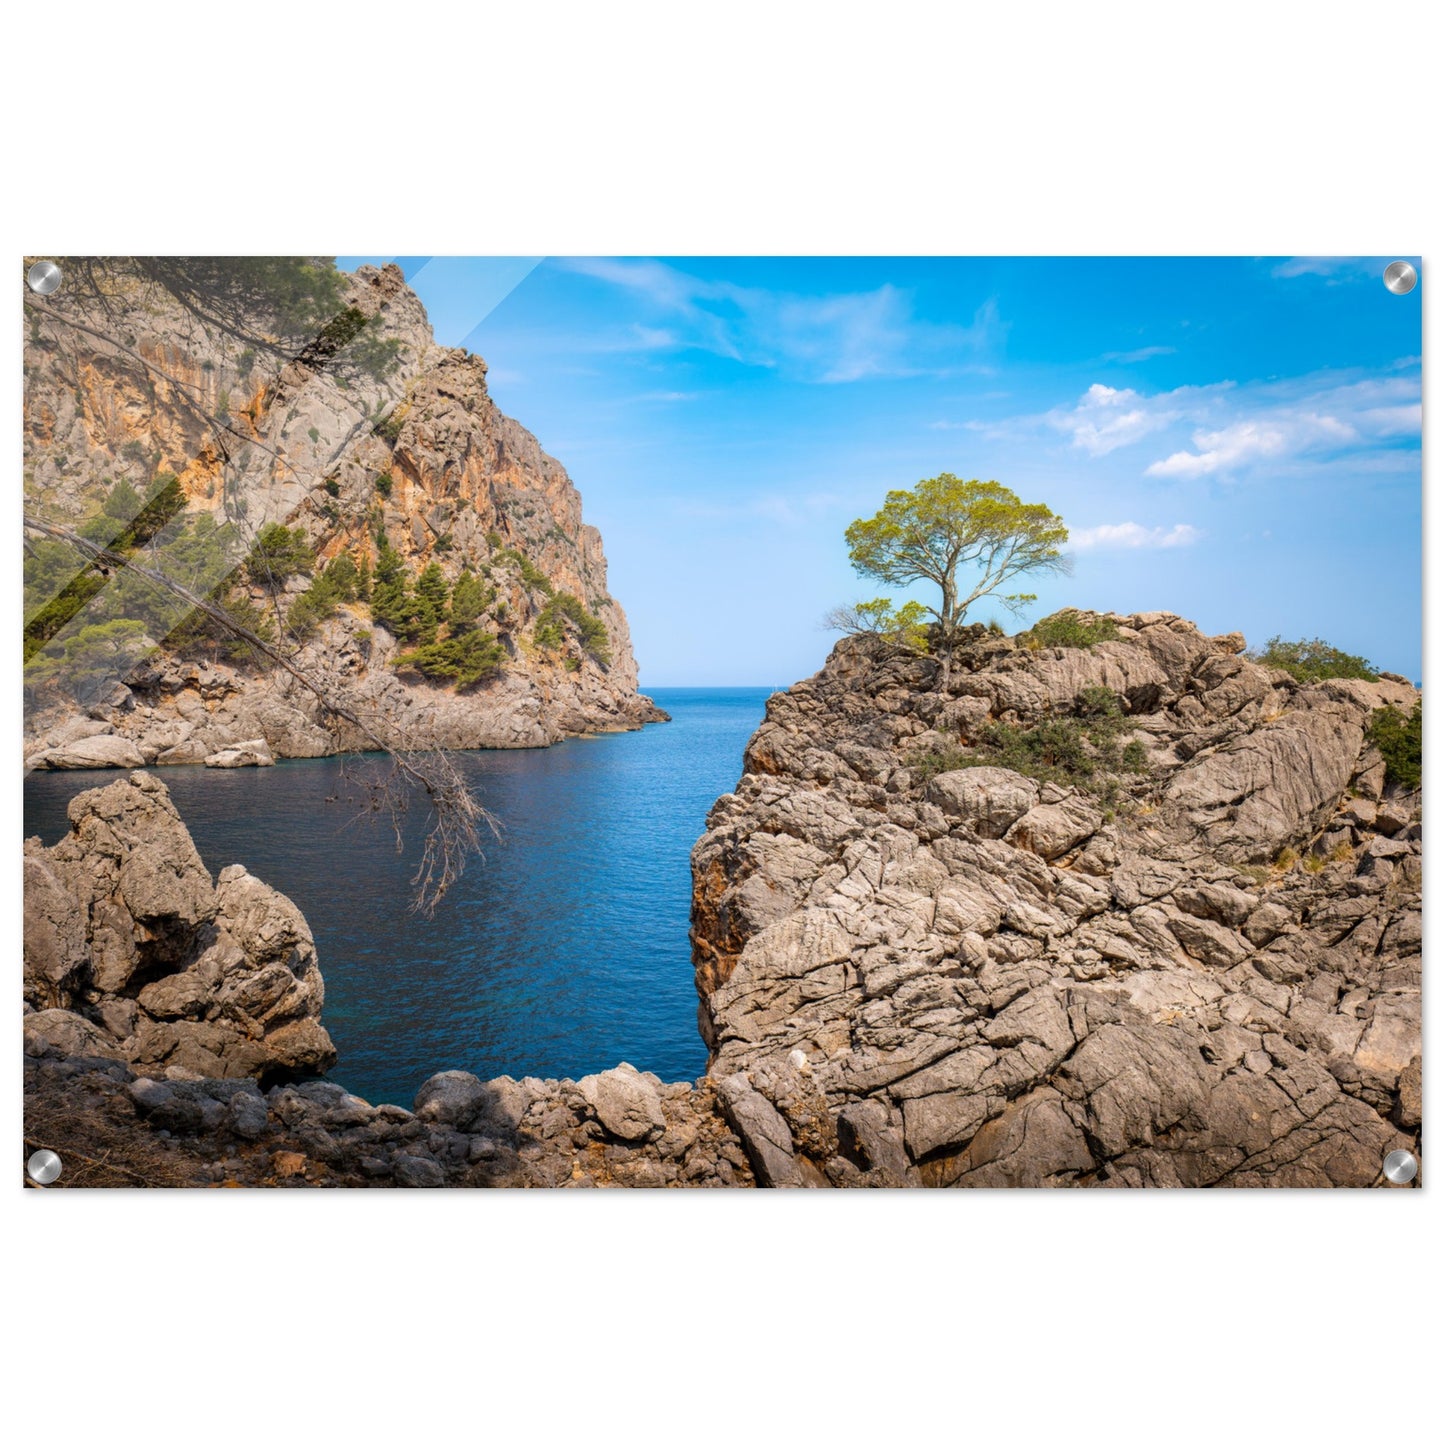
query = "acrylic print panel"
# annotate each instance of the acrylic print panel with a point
(970, 736)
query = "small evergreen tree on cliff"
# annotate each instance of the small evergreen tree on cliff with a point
(942, 525)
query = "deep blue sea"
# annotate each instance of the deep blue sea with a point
(562, 952)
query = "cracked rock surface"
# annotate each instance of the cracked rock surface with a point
(980, 978)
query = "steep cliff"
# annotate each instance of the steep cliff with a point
(434, 572)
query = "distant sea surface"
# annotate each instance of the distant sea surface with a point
(564, 951)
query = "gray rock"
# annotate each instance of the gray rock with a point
(253, 754)
(414, 1171)
(626, 1103)
(455, 1098)
(989, 800)
(103, 750)
(763, 1132)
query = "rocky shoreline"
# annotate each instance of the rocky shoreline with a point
(915, 967)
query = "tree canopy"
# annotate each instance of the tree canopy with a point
(944, 526)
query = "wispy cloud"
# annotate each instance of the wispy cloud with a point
(1110, 535)
(668, 396)
(787, 509)
(1143, 353)
(1333, 269)
(840, 337)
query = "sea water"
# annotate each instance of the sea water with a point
(563, 951)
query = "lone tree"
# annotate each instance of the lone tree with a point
(944, 524)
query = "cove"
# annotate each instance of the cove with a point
(562, 952)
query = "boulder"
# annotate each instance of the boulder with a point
(627, 1104)
(253, 754)
(102, 750)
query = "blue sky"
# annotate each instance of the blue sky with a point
(1235, 440)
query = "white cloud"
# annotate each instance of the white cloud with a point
(1244, 441)
(1333, 269)
(1106, 418)
(668, 396)
(1132, 535)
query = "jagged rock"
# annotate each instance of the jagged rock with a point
(169, 970)
(993, 986)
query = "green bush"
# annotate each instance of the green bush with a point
(463, 660)
(280, 552)
(1400, 741)
(551, 628)
(1066, 629)
(532, 576)
(1080, 749)
(1312, 660)
(383, 484)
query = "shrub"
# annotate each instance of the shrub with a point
(1399, 739)
(463, 660)
(469, 599)
(1067, 629)
(333, 487)
(1311, 660)
(383, 484)
(280, 552)
(551, 628)
(532, 576)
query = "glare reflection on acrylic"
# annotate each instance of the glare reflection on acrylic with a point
(1085, 851)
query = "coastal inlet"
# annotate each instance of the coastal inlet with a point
(562, 951)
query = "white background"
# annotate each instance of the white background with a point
(650, 128)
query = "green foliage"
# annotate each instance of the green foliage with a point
(1400, 739)
(432, 593)
(391, 600)
(318, 603)
(944, 524)
(245, 361)
(91, 656)
(905, 627)
(123, 502)
(494, 540)
(1067, 629)
(389, 427)
(280, 552)
(470, 598)
(551, 627)
(383, 484)
(313, 434)
(1312, 660)
(532, 577)
(1080, 749)
(464, 659)
(333, 487)
(199, 634)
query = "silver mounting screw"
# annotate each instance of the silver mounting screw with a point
(1400, 277)
(1400, 1166)
(44, 277)
(43, 1166)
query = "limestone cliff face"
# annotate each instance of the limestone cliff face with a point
(916, 968)
(133, 385)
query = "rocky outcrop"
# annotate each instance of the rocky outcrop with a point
(984, 978)
(915, 966)
(173, 1037)
(416, 454)
(132, 953)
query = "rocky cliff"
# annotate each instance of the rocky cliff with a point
(1177, 943)
(1134, 913)
(151, 426)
